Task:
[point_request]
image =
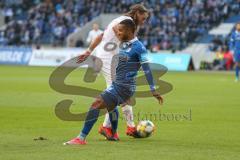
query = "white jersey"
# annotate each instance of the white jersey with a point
(109, 47)
(110, 43)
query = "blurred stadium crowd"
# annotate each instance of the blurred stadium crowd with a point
(172, 25)
(224, 57)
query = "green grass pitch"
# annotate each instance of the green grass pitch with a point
(212, 132)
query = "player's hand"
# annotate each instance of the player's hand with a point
(157, 96)
(83, 56)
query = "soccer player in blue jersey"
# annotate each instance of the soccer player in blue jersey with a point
(235, 47)
(131, 57)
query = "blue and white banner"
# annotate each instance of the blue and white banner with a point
(56, 57)
(15, 55)
(53, 57)
(174, 62)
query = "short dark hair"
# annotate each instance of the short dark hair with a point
(129, 24)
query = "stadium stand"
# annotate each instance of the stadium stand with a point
(211, 51)
(172, 26)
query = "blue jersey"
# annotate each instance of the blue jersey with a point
(131, 57)
(235, 41)
(235, 45)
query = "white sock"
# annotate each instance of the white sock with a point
(107, 122)
(128, 115)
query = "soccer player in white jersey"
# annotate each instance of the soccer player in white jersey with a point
(107, 45)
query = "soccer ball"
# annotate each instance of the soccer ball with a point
(145, 128)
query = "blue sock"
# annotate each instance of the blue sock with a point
(90, 120)
(237, 72)
(113, 116)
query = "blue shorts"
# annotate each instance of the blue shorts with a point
(116, 95)
(237, 56)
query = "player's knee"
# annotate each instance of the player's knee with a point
(98, 103)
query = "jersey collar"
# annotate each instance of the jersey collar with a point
(131, 41)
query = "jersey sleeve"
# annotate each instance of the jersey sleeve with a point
(143, 57)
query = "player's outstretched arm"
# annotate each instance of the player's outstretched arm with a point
(150, 81)
(91, 47)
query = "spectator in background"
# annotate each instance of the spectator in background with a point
(216, 43)
(94, 33)
(228, 58)
(8, 14)
(218, 63)
(224, 59)
(173, 24)
(3, 40)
